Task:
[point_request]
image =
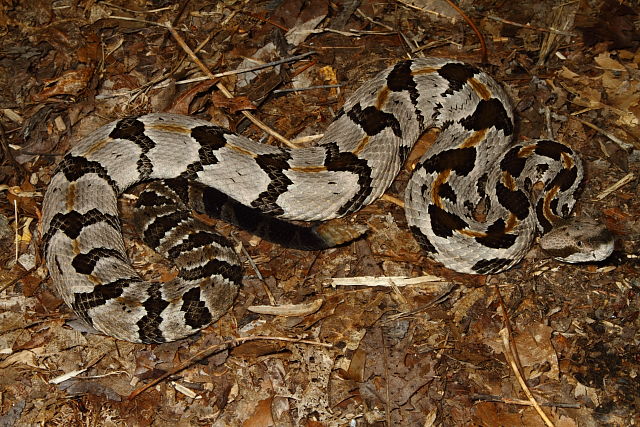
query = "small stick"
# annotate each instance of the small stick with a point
(508, 400)
(510, 352)
(612, 137)
(373, 21)
(266, 65)
(392, 199)
(483, 45)
(621, 182)
(387, 405)
(531, 27)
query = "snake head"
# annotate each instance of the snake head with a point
(578, 240)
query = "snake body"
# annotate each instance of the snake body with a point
(472, 201)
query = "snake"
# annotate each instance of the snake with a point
(475, 202)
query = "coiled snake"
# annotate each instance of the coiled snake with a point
(471, 202)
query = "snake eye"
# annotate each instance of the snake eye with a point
(579, 243)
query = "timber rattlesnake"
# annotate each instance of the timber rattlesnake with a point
(470, 202)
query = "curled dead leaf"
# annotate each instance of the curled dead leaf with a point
(72, 82)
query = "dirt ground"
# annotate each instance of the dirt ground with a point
(425, 346)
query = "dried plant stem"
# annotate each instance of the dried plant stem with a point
(511, 353)
(483, 45)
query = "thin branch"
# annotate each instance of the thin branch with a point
(531, 27)
(483, 45)
(510, 401)
(510, 352)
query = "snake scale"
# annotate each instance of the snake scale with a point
(472, 201)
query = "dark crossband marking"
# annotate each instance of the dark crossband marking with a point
(76, 167)
(446, 191)
(196, 314)
(489, 113)
(338, 161)
(151, 199)
(564, 179)
(548, 201)
(497, 236)
(543, 215)
(443, 223)
(274, 165)
(513, 161)
(551, 149)
(214, 267)
(85, 301)
(211, 139)
(132, 130)
(488, 266)
(516, 201)
(72, 223)
(84, 263)
(400, 79)
(373, 121)
(218, 205)
(460, 74)
(459, 160)
(457, 75)
(154, 305)
(197, 240)
(162, 225)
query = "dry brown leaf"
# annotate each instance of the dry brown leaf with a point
(261, 416)
(71, 82)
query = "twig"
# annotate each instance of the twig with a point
(16, 224)
(531, 27)
(421, 9)
(612, 137)
(115, 6)
(506, 340)
(347, 33)
(209, 351)
(387, 399)
(231, 73)
(142, 21)
(373, 21)
(510, 352)
(266, 20)
(221, 87)
(392, 199)
(483, 45)
(621, 182)
(493, 398)
(265, 65)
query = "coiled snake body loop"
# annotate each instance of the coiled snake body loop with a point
(470, 201)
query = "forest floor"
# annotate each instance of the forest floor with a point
(383, 335)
